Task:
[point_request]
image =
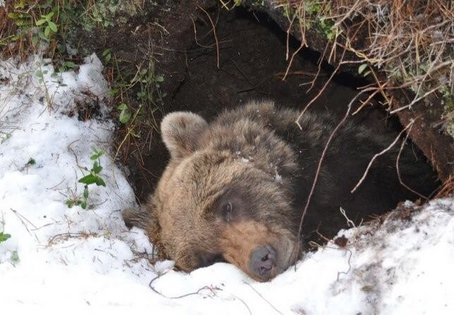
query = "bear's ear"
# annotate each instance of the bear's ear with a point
(180, 132)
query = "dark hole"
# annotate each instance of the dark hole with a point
(252, 65)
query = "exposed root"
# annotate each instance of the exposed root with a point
(447, 189)
(378, 155)
(214, 34)
(322, 157)
(404, 141)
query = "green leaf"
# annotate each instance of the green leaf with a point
(159, 78)
(47, 31)
(97, 168)
(40, 22)
(85, 194)
(53, 26)
(125, 113)
(31, 162)
(122, 106)
(125, 116)
(13, 16)
(49, 16)
(100, 181)
(69, 65)
(4, 236)
(19, 4)
(362, 67)
(43, 36)
(14, 257)
(96, 154)
(70, 203)
(39, 74)
(114, 92)
(107, 54)
(88, 180)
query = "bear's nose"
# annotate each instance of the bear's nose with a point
(263, 259)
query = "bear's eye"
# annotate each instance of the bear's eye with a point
(227, 211)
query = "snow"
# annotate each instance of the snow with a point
(72, 259)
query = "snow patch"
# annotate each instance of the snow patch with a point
(87, 260)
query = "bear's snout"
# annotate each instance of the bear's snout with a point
(257, 250)
(262, 261)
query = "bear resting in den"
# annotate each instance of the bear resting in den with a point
(235, 188)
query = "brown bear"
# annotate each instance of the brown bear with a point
(234, 189)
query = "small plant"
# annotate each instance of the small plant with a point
(47, 27)
(4, 237)
(14, 258)
(4, 136)
(81, 201)
(125, 113)
(36, 21)
(107, 55)
(363, 70)
(40, 75)
(65, 65)
(30, 162)
(92, 178)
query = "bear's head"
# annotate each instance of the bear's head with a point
(225, 196)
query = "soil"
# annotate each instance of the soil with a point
(207, 70)
(252, 63)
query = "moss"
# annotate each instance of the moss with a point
(312, 15)
(108, 13)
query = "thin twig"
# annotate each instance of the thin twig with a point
(319, 92)
(404, 141)
(322, 157)
(291, 61)
(263, 298)
(214, 34)
(24, 220)
(350, 223)
(212, 289)
(244, 303)
(194, 27)
(378, 155)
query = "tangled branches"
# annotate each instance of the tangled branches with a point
(410, 41)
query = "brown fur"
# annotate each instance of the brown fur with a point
(240, 239)
(239, 183)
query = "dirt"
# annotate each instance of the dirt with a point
(206, 71)
(427, 133)
(252, 61)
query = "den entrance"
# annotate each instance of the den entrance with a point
(248, 57)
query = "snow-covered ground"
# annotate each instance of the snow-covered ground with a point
(67, 260)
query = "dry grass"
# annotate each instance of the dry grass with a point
(411, 42)
(19, 30)
(447, 190)
(10, 43)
